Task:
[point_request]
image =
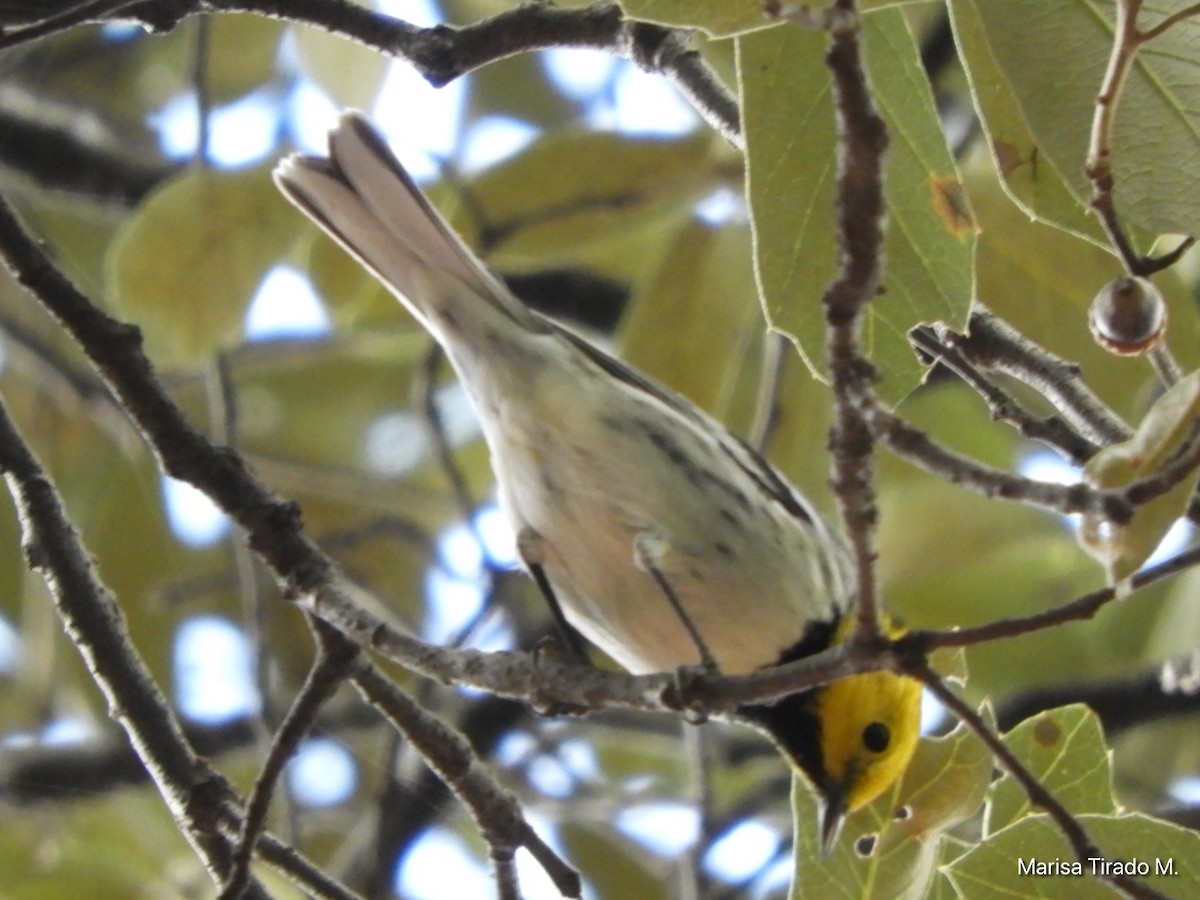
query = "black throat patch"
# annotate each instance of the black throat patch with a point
(792, 721)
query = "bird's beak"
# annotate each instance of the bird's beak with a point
(831, 817)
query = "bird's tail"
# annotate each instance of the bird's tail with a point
(365, 200)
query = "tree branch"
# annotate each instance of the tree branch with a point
(861, 217)
(937, 344)
(194, 793)
(994, 345)
(496, 812)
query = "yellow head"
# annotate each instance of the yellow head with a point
(851, 738)
(868, 726)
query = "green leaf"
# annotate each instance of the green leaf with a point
(718, 18)
(186, 265)
(702, 290)
(725, 18)
(944, 784)
(950, 663)
(1032, 184)
(123, 845)
(1124, 547)
(1064, 750)
(242, 54)
(614, 866)
(1001, 866)
(1157, 133)
(571, 191)
(350, 73)
(791, 153)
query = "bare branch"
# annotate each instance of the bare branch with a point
(1127, 41)
(551, 683)
(920, 449)
(1170, 22)
(1052, 430)
(495, 811)
(31, 23)
(994, 345)
(443, 53)
(115, 349)
(336, 659)
(861, 215)
(1076, 610)
(302, 871)
(194, 793)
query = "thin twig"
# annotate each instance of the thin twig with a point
(1099, 154)
(920, 449)
(223, 424)
(303, 872)
(334, 662)
(861, 216)
(1115, 505)
(504, 871)
(495, 811)
(1079, 609)
(548, 679)
(1170, 22)
(192, 791)
(1127, 42)
(200, 83)
(443, 53)
(1165, 366)
(64, 20)
(1052, 430)
(1168, 259)
(1178, 466)
(423, 392)
(994, 345)
(693, 881)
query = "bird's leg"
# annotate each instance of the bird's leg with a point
(648, 549)
(531, 547)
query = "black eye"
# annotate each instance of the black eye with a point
(875, 737)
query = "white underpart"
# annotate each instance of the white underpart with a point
(587, 455)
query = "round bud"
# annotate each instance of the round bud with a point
(1128, 316)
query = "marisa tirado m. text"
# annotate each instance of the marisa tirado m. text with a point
(1095, 865)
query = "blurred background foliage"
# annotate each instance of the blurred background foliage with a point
(631, 224)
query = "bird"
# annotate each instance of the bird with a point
(659, 536)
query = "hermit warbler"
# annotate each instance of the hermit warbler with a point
(666, 540)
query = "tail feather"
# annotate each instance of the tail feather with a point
(365, 200)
